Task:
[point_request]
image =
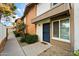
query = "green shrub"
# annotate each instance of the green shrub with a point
(16, 34)
(29, 38)
(76, 53)
(23, 39)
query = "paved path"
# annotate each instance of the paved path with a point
(12, 47)
(56, 51)
(36, 48)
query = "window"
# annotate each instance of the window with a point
(54, 3)
(64, 29)
(61, 29)
(56, 29)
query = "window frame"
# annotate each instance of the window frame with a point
(55, 38)
(54, 4)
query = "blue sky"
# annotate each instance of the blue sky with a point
(20, 8)
(19, 13)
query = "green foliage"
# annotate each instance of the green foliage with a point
(29, 38)
(7, 9)
(14, 8)
(13, 23)
(23, 39)
(76, 53)
(16, 34)
(13, 16)
(20, 26)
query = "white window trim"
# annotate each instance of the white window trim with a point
(55, 38)
(54, 6)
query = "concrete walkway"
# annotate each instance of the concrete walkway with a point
(56, 51)
(12, 47)
(36, 48)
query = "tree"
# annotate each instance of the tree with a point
(7, 9)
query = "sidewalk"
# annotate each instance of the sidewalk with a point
(12, 47)
(36, 48)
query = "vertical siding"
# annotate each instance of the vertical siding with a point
(76, 26)
(30, 28)
(42, 7)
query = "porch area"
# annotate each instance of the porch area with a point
(13, 48)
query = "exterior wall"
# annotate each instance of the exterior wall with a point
(76, 26)
(2, 31)
(30, 28)
(52, 5)
(25, 23)
(58, 42)
(63, 45)
(59, 8)
(39, 28)
(2, 37)
(39, 31)
(42, 7)
(71, 11)
(25, 20)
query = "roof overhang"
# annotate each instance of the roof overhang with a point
(27, 9)
(57, 10)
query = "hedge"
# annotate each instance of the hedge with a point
(29, 38)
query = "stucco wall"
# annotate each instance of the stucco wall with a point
(39, 31)
(39, 28)
(42, 7)
(30, 28)
(76, 26)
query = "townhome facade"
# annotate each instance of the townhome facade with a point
(54, 23)
(29, 14)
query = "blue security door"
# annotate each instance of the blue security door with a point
(46, 32)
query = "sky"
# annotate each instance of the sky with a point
(20, 9)
(19, 13)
